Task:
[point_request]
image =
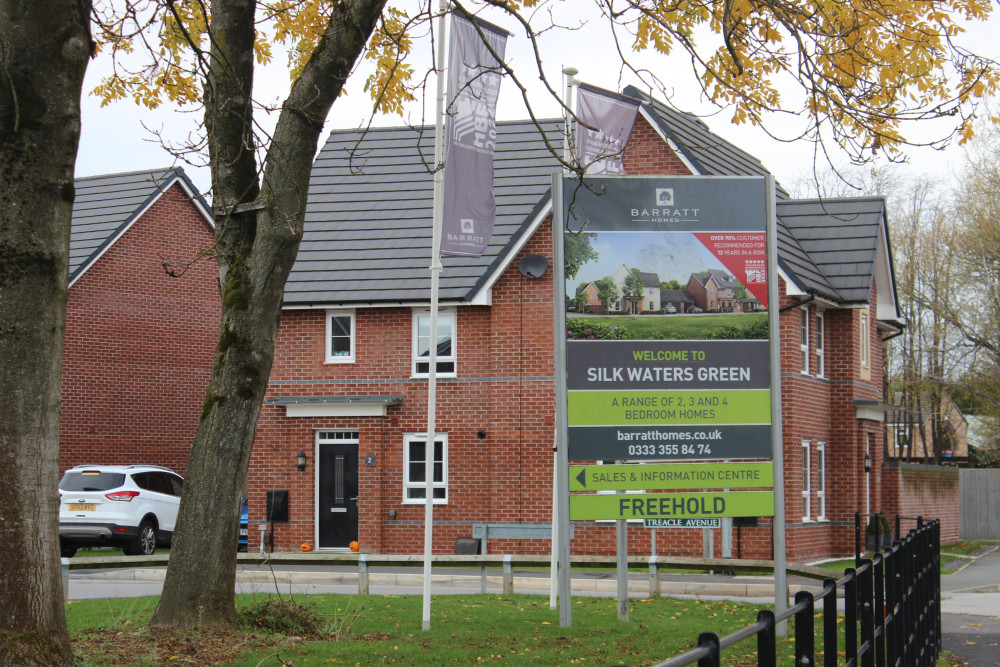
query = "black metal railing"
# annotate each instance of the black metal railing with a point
(880, 530)
(892, 613)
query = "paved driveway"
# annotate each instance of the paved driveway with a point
(970, 606)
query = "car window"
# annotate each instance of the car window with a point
(176, 482)
(91, 480)
(141, 480)
(159, 483)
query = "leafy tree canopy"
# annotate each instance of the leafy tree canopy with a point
(607, 292)
(633, 286)
(862, 68)
(578, 251)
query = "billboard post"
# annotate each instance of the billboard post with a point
(780, 571)
(670, 353)
(562, 439)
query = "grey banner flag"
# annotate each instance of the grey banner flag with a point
(612, 116)
(469, 208)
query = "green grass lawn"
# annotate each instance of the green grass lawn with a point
(965, 547)
(465, 630)
(949, 552)
(676, 327)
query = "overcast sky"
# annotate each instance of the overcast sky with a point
(119, 137)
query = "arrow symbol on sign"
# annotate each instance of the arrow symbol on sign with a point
(582, 478)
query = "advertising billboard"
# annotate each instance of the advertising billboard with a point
(667, 339)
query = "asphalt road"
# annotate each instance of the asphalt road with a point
(970, 606)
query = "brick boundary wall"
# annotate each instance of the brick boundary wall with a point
(914, 489)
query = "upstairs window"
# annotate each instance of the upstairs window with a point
(804, 340)
(339, 336)
(865, 336)
(444, 340)
(820, 344)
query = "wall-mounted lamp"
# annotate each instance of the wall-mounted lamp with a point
(868, 462)
(392, 514)
(300, 460)
(481, 434)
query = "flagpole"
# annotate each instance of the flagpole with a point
(435, 269)
(568, 81)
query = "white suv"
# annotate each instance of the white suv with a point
(133, 507)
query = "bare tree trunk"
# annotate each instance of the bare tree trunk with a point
(258, 229)
(44, 48)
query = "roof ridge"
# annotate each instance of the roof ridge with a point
(163, 170)
(425, 126)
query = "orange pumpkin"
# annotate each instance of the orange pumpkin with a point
(306, 547)
(354, 546)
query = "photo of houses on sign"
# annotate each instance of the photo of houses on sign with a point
(651, 285)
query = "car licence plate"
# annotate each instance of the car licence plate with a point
(88, 507)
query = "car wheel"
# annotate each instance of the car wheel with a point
(144, 543)
(67, 550)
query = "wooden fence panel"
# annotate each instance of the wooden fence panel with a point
(979, 503)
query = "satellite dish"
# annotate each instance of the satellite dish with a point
(534, 266)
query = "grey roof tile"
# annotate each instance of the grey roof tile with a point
(372, 192)
(105, 206)
(649, 279)
(840, 237)
(709, 153)
(368, 222)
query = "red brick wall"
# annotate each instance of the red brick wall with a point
(647, 155)
(822, 410)
(140, 343)
(914, 490)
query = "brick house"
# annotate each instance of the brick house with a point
(348, 387)
(139, 343)
(714, 291)
(592, 301)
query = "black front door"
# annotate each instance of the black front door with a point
(338, 495)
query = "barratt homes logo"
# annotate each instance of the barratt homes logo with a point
(467, 233)
(664, 210)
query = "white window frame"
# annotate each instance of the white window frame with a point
(806, 481)
(328, 345)
(820, 344)
(865, 341)
(421, 485)
(821, 481)
(804, 340)
(447, 314)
